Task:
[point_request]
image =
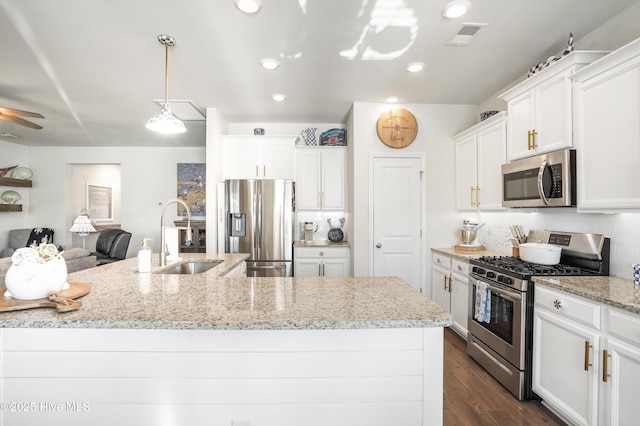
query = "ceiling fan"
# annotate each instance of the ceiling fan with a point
(12, 115)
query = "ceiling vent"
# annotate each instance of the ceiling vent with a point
(466, 33)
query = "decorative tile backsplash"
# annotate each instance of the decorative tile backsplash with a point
(622, 228)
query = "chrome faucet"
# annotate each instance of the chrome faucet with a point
(189, 236)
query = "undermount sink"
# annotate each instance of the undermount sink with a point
(191, 267)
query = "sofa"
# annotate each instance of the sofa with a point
(77, 259)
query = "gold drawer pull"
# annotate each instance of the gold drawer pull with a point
(605, 365)
(587, 364)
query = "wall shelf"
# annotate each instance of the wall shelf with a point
(10, 207)
(24, 183)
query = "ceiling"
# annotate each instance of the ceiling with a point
(94, 68)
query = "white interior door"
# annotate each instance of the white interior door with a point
(397, 207)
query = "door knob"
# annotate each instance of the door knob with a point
(378, 245)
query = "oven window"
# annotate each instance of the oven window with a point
(499, 320)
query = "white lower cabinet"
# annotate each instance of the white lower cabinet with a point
(450, 289)
(321, 262)
(586, 358)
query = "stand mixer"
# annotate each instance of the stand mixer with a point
(468, 234)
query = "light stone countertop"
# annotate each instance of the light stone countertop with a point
(466, 255)
(320, 243)
(619, 292)
(121, 297)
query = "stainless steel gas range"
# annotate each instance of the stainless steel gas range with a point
(501, 296)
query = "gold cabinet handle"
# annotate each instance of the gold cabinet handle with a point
(531, 139)
(472, 191)
(605, 365)
(257, 171)
(264, 170)
(445, 283)
(587, 364)
(450, 282)
(477, 196)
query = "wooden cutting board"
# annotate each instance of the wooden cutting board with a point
(74, 291)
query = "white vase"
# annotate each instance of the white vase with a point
(36, 281)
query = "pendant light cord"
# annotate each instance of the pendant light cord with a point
(166, 74)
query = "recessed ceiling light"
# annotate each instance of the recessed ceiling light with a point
(455, 8)
(278, 97)
(392, 100)
(415, 67)
(248, 6)
(269, 64)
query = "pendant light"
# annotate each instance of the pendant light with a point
(166, 122)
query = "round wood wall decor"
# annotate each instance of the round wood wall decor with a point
(397, 128)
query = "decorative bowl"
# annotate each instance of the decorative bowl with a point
(36, 281)
(486, 114)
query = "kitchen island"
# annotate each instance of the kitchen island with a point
(202, 349)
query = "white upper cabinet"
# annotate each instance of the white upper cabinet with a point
(321, 178)
(540, 108)
(258, 157)
(480, 153)
(607, 133)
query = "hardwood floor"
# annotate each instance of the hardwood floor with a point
(473, 397)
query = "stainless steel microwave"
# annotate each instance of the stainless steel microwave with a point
(546, 180)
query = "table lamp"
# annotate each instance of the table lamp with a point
(82, 225)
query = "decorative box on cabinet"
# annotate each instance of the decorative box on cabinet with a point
(321, 178)
(607, 135)
(450, 289)
(20, 183)
(480, 153)
(321, 261)
(540, 108)
(258, 157)
(586, 358)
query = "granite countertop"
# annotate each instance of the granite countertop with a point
(121, 297)
(320, 243)
(619, 292)
(466, 255)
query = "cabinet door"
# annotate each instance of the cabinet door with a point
(306, 268)
(308, 181)
(553, 115)
(440, 287)
(335, 267)
(277, 159)
(466, 174)
(559, 360)
(460, 303)
(520, 120)
(607, 135)
(242, 159)
(334, 172)
(622, 387)
(491, 147)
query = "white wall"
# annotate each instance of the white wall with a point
(436, 125)
(149, 177)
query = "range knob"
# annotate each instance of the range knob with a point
(491, 274)
(478, 270)
(505, 279)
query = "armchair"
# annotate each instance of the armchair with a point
(112, 245)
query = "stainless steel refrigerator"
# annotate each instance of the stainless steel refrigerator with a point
(258, 220)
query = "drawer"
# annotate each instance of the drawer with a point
(323, 252)
(568, 305)
(624, 325)
(459, 267)
(441, 260)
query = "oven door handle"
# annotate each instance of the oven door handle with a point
(507, 294)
